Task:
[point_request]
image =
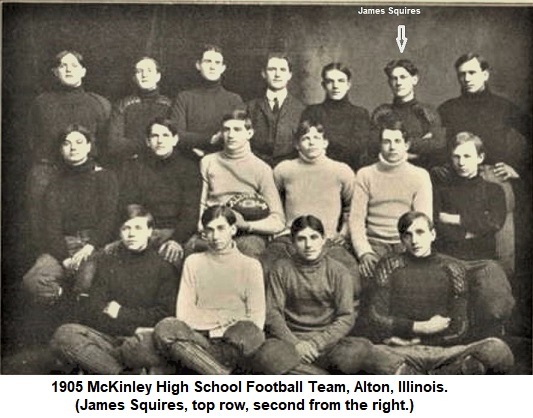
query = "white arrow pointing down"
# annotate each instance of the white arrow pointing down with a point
(401, 40)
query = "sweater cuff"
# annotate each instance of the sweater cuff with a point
(402, 328)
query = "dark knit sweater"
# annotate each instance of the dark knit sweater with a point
(198, 113)
(53, 111)
(169, 188)
(273, 139)
(491, 117)
(82, 198)
(347, 127)
(310, 297)
(142, 283)
(129, 120)
(481, 206)
(416, 290)
(419, 119)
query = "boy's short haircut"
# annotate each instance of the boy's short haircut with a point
(483, 63)
(407, 219)
(305, 126)
(336, 66)
(280, 55)
(137, 211)
(76, 128)
(392, 121)
(239, 114)
(157, 66)
(209, 47)
(217, 211)
(58, 57)
(403, 63)
(160, 120)
(307, 221)
(464, 137)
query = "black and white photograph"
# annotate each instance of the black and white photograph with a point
(266, 189)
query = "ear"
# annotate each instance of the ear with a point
(263, 74)
(175, 140)
(415, 80)
(223, 69)
(326, 143)
(481, 158)
(433, 234)
(55, 72)
(150, 232)
(290, 76)
(233, 229)
(486, 75)
(250, 133)
(83, 71)
(158, 78)
(198, 65)
(407, 144)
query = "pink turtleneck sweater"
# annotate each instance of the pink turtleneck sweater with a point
(225, 174)
(383, 192)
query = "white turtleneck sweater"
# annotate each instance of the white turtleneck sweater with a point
(321, 187)
(226, 174)
(219, 287)
(383, 192)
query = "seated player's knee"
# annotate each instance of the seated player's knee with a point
(67, 337)
(245, 336)
(170, 330)
(275, 357)
(351, 355)
(495, 354)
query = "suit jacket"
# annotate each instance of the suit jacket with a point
(273, 137)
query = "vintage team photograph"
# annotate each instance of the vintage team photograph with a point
(268, 189)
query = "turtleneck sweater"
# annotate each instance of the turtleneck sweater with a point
(52, 112)
(383, 192)
(168, 187)
(482, 210)
(491, 117)
(198, 113)
(129, 120)
(311, 300)
(416, 290)
(418, 119)
(226, 174)
(321, 187)
(142, 283)
(347, 127)
(82, 198)
(218, 287)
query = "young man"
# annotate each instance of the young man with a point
(347, 125)
(419, 309)
(468, 212)
(489, 116)
(310, 307)
(220, 310)
(198, 112)
(422, 123)
(383, 192)
(68, 103)
(166, 181)
(127, 130)
(275, 116)
(317, 185)
(80, 209)
(133, 289)
(235, 171)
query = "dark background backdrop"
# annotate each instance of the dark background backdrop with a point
(111, 37)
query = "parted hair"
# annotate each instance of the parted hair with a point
(74, 127)
(403, 63)
(306, 221)
(146, 57)
(336, 66)
(483, 63)
(391, 120)
(305, 126)
(280, 55)
(160, 120)
(407, 219)
(137, 211)
(58, 57)
(217, 211)
(464, 137)
(209, 47)
(239, 114)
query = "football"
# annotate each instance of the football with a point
(252, 207)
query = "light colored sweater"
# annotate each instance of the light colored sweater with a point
(383, 192)
(219, 287)
(322, 188)
(226, 175)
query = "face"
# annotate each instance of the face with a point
(313, 144)
(211, 66)
(75, 148)
(336, 84)
(309, 244)
(277, 74)
(146, 75)
(418, 238)
(70, 72)
(135, 233)
(161, 141)
(471, 77)
(466, 160)
(235, 134)
(402, 83)
(393, 145)
(219, 234)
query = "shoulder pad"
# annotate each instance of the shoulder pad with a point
(457, 273)
(128, 101)
(104, 103)
(164, 100)
(388, 265)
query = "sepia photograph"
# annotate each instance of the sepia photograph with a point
(266, 188)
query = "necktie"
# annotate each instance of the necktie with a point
(275, 109)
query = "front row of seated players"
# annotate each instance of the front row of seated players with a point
(418, 309)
